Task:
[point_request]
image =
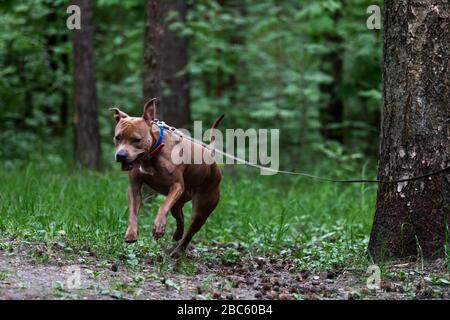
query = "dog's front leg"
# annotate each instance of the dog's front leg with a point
(159, 226)
(134, 203)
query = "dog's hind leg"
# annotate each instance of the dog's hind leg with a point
(202, 206)
(177, 213)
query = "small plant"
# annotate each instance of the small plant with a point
(170, 284)
(185, 266)
(3, 275)
(58, 289)
(230, 256)
(437, 281)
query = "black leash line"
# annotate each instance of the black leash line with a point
(307, 175)
(435, 173)
(303, 174)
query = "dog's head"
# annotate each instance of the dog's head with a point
(132, 136)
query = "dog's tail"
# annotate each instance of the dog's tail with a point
(212, 137)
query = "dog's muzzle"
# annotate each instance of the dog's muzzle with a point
(121, 156)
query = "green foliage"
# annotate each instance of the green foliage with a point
(267, 59)
(36, 74)
(263, 63)
(31, 63)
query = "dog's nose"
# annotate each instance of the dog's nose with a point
(121, 156)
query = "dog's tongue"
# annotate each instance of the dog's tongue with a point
(126, 166)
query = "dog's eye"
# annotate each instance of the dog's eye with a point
(117, 138)
(136, 140)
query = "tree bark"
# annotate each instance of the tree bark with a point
(85, 118)
(53, 40)
(152, 50)
(28, 93)
(411, 218)
(64, 106)
(165, 55)
(176, 104)
(333, 113)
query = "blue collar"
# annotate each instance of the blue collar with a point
(156, 148)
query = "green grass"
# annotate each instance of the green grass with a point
(321, 225)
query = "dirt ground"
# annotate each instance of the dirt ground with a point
(25, 276)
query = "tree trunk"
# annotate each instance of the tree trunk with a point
(411, 218)
(53, 40)
(176, 104)
(152, 50)
(86, 130)
(165, 55)
(333, 112)
(64, 106)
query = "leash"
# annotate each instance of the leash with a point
(156, 148)
(435, 173)
(307, 175)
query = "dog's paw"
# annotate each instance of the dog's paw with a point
(177, 235)
(177, 253)
(159, 228)
(131, 236)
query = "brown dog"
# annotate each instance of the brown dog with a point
(136, 142)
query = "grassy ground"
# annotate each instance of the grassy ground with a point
(320, 225)
(280, 222)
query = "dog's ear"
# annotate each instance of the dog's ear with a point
(150, 111)
(118, 114)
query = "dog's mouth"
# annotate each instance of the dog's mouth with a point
(127, 166)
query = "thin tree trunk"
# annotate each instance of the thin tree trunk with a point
(86, 129)
(176, 104)
(64, 106)
(333, 112)
(28, 92)
(152, 50)
(52, 41)
(165, 56)
(411, 218)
